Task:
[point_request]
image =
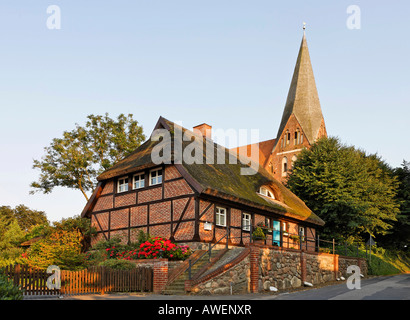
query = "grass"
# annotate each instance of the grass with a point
(383, 262)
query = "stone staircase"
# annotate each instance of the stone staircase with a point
(178, 285)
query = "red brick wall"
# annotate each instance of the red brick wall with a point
(171, 173)
(125, 200)
(151, 194)
(104, 203)
(160, 212)
(288, 151)
(179, 206)
(119, 219)
(139, 216)
(177, 188)
(108, 188)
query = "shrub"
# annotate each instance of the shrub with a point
(8, 290)
(61, 248)
(258, 234)
(117, 264)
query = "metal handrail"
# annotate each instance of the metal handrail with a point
(209, 251)
(303, 239)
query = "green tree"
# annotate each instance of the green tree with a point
(354, 193)
(75, 160)
(399, 236)
(11, 236)
(81, 225)
(25, 217)
(61, 248)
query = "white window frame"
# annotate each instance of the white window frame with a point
(157, 177)
(219, 216)
(246, 221)
(122, 187)
(266, 192)
(141, 182)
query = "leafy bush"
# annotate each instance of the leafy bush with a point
(9, 291)
(61, 248)
(258, 234)
(117, 264)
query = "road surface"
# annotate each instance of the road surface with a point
(379, 288)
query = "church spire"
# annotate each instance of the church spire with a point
(303, 98)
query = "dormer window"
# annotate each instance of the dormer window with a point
(122, 184)
(266, 192)
(155, 177)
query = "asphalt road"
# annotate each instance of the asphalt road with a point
(379, 288)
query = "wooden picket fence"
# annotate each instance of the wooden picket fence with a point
(93, 280)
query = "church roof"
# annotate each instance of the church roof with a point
(303, 98)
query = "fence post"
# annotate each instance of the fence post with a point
(16, 274)
(189, 269)
(333, 246)
(318, 243)
(102, 275)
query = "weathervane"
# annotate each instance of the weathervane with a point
(304, 26)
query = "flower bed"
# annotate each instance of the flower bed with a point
(154, 248)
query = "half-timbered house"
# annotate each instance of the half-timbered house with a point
(196, 202)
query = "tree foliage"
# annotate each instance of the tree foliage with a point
(399, 237)
(25, 217)
(61, 248)
(354, 193)
(79, 156)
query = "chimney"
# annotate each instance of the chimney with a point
(205, 129)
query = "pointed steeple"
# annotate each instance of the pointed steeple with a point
(303, 99)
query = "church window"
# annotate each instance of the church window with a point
(284, 166)
(287, 137)
(297, 136)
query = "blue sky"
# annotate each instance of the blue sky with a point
(226, 63)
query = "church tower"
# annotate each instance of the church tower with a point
(302, 120)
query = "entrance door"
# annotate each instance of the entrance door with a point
(276, 233)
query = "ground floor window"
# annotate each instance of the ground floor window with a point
(246, 222)
(220, 219)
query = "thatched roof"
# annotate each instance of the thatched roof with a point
(220, 180)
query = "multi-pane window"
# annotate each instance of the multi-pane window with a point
(123, 184)
(220, 219)
(139, 181)
(155, 177)
(246, 222)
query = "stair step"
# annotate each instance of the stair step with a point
(178, 285)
